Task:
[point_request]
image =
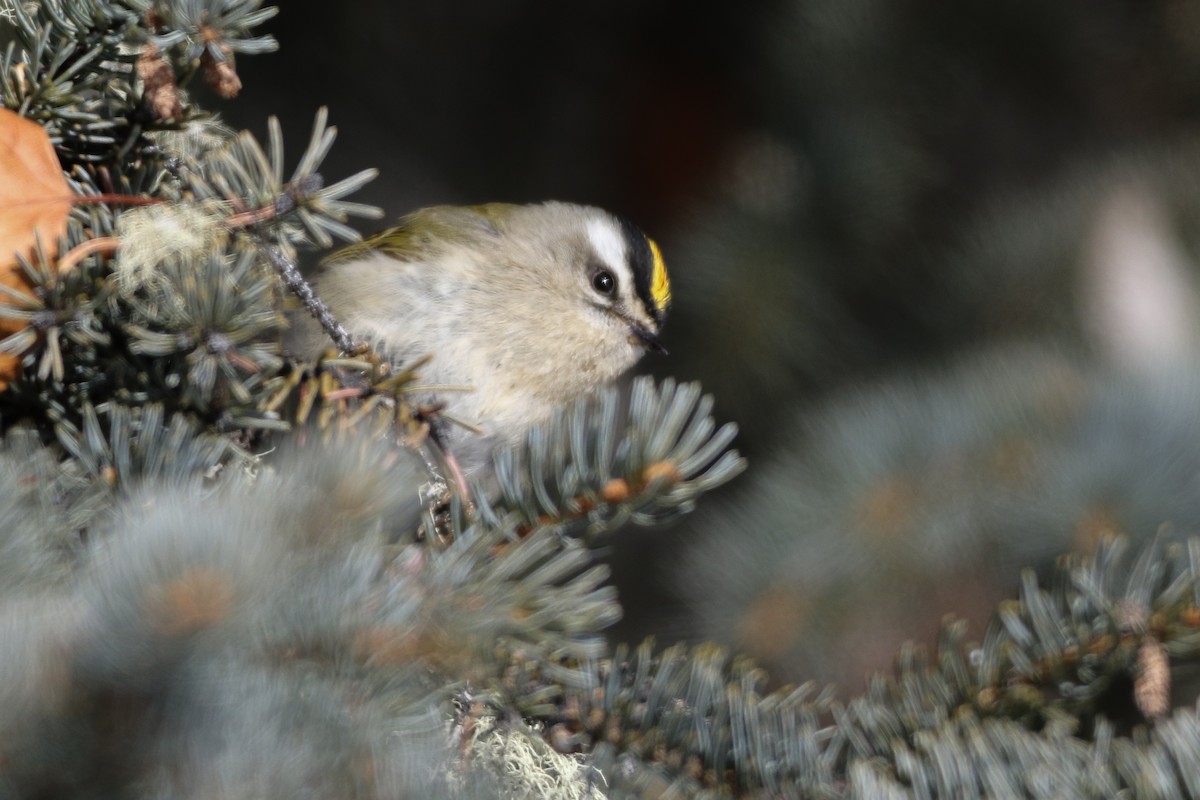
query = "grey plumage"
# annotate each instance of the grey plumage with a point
(504, 299)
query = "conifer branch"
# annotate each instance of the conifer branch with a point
(592, 468)
(991, 719)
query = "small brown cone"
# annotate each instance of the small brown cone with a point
(158, 82)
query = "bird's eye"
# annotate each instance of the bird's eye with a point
(604, 281)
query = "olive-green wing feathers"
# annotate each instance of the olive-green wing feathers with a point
(419, 235)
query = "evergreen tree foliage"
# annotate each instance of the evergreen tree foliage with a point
(225, 573)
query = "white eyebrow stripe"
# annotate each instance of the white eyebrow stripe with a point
(608, 242)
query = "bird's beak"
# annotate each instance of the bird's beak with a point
(646, 339)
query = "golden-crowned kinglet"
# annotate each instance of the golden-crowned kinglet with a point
(530, 306)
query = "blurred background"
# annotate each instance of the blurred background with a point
(937, 258)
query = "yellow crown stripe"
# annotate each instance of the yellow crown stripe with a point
(660, 284)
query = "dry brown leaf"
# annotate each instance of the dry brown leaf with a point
(34, 197)
(35, 201)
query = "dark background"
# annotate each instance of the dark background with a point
(629, 105)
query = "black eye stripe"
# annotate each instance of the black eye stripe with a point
(641, 263)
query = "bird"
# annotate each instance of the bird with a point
(521, 309)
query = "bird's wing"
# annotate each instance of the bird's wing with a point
(421, 234)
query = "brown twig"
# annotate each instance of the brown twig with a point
(103, 244)
(115, 200)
